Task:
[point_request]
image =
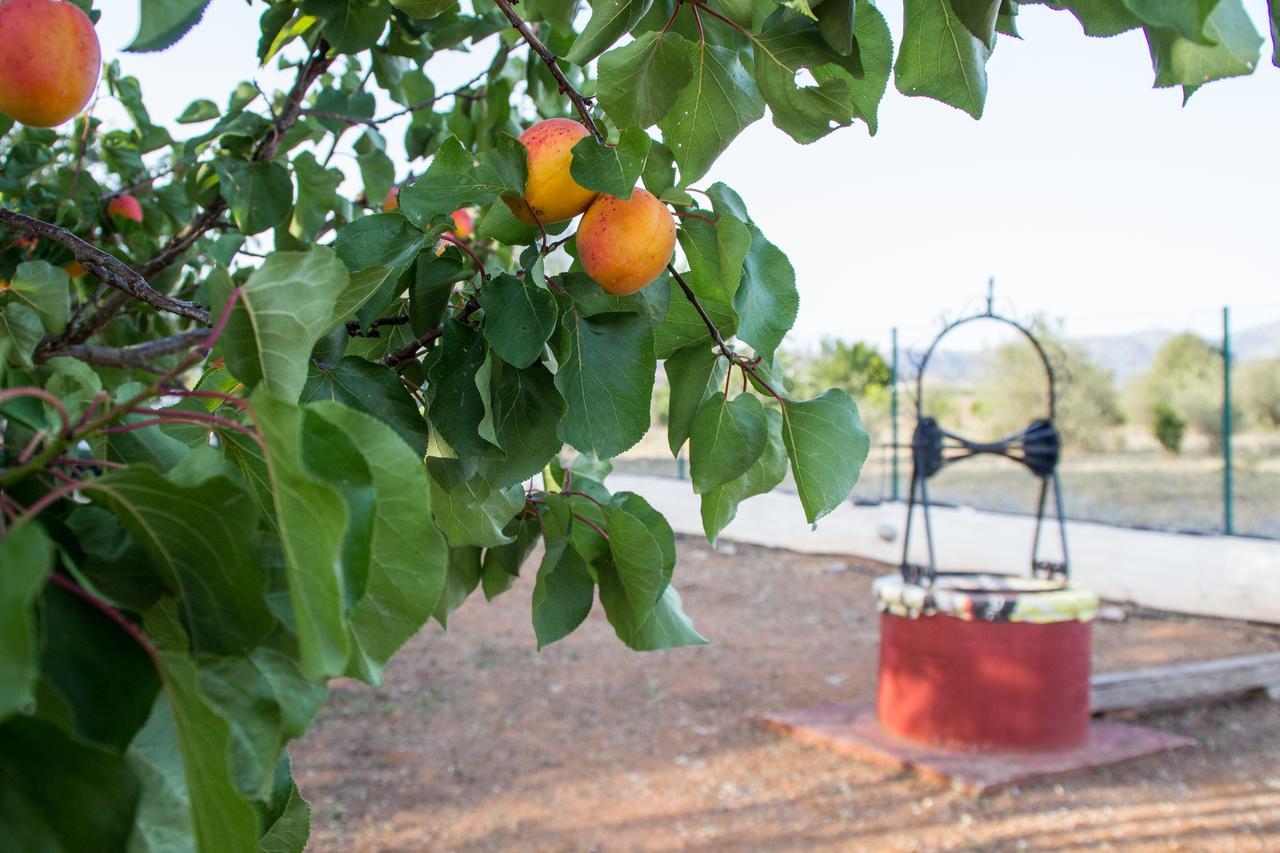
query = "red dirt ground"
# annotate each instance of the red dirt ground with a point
(479, 742)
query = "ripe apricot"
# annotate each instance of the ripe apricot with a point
(463, 223)
(550, 191)
(625, 245)
(392, 201)
(126, 207)
(75, 269)
(49, 61)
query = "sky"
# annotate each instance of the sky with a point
(1090, 197)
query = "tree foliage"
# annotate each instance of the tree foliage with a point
(256, 439)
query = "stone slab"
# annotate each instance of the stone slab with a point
(851, 728)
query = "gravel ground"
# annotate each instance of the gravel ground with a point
(479, 742)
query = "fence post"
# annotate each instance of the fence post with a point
(893, 409)
(1228, 497)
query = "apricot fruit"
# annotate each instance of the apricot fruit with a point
(463, 223)
(625, 245)
(50, 60)
(126, 207)
(392, 201)
(550, 193)
(75, 269)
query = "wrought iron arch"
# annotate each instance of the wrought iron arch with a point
(1038, 447)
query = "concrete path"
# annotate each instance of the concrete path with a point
(1224, 576)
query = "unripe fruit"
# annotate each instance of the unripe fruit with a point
(392, 201)
(126, 207)
(49, 61)
(550, 191)
(625, 245)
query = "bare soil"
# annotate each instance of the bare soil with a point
(479, 742)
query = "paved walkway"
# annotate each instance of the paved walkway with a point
(1225, 576)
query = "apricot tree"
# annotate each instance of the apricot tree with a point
(262, 419)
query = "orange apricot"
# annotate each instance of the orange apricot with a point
(50, 60)
(392, 201)
(625, 245)
(551, 194)
(126, 207)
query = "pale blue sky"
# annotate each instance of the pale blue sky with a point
(1087, 194)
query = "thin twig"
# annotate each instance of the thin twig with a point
(549, 58)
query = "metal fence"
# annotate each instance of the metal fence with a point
(1223, 478)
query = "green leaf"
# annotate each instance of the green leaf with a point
(589, 299)
(940, 58)
(456, 179)
(408, 555)
(835, 23)
(424, 9)
(682, 326)
(643, 551)
(526, 411)
(20, 333)
(563, 593)
(766, 300)
(639, 82)
(58, 793)
(469, 512)
(317, 197)
(350, 26)
(286, 306)
(693, 375)
(609, 20)
(606, 373)
(199, 536)
(45, 288)
(260, 194)
(727, 439)
(1187, 17)
(376, 169)
(501, 565)
(519, 317)
(289, 832)
(720, 505)
(717, 104)
(198, 111)
(979, 16)
(456, 405)
(461, 580)
(875, 54)
(788, 45)
(612, 169)
(27, 556)
(310, 519)
(665, 626)
(715, 254)
(1178, 61)
(163, 820)
(377, 250)
(1098, 18)
(827, 445)
(1273, 7)
(373, 389)
(164, 22)
(221, 818)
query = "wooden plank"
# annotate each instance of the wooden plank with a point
(1182, 683)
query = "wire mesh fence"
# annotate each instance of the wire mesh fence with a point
(1176, 427)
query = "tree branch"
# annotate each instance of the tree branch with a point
(566, 88)
(110, 269)
(137, 355)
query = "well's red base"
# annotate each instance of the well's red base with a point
(993, 685)
(851, 728)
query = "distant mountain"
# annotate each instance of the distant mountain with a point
(1124, 355)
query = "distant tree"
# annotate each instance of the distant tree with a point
(1185, 376)
(856, 367)
(1014, 378)
(1168, 427)
(1260, 391)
